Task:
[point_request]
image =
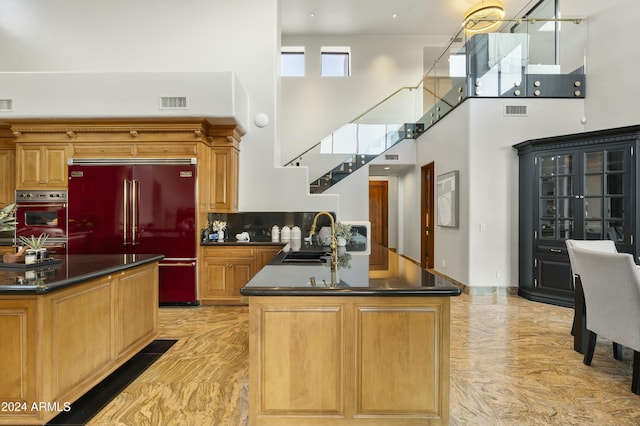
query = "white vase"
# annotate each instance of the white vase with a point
(220, 235)
(342, 242)
(324, 236)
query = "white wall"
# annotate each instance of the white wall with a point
(612, 61)
(115, 36)
(477, 139)
(313, 106)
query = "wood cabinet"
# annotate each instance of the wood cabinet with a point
(45, 339)
(148, 149)
(168, 149)
(41, 166)
(103, 150)
(7, 165)
(7, 176)
(348, 360)
(579, 186)
(43, 148)
(224, 270)
(223, 189)
(264, 254)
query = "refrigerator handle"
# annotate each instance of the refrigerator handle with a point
(135, 193)
(125, 211)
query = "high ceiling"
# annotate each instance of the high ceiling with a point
(436, 18)
(376, 17)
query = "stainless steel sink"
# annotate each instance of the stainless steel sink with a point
(307, 257)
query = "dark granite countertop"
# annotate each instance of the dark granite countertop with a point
(354, 277)
(73, 269)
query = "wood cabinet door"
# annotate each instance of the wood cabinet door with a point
(166, 149)
(264, 256)
(7, 176)
(223, 187)
(41, 167)
(214, 278)
(29, 162)
(55, 172)
(240, 271)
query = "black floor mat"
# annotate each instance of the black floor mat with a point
(100, 395)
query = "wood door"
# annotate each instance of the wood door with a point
(426, 215)
(378, 216)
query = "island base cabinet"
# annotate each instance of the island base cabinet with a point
(349, 360)
(57, 346)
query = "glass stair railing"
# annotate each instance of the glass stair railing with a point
(529, 57)
(366, 149)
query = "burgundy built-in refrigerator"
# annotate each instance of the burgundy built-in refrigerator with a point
(138, 208)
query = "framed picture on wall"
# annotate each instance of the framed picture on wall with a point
(447, 199)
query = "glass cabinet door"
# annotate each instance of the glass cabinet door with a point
(556, 176)
(604, 195)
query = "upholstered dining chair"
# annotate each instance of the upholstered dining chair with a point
(578, 329)
(611, 284)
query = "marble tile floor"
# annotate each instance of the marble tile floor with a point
(512, 363)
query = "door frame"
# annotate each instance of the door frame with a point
(427, 230)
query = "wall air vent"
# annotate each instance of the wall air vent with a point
(391, 157)
(515, 110)
(6, 104)
(173, 102)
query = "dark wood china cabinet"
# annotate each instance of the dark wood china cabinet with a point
(578, 186)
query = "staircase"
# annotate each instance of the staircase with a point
(355, 161)
(513, 63)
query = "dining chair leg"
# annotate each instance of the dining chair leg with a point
(617, 351)
(591, 346)
(579, 327)
(635, 378)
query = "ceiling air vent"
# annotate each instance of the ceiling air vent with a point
(391, 157)
(6, 104)
(515, 110)
(173, 102)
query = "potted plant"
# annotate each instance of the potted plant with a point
(218, 227)
(343, 233)
(37, 246)
(8, 218)
(8, 223)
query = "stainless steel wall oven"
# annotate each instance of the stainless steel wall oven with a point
(43, 212)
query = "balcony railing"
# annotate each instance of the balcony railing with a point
(525, 58)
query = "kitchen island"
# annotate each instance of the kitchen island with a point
(67, 324)
(354, 347)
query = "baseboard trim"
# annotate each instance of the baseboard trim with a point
(478, 291)
(472, 290)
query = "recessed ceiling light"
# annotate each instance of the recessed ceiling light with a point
(387, 168)
(312, 14)
(395, 15)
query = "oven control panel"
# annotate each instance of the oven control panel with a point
(26, 196)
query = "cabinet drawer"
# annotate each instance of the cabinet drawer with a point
(102, 150)
(228, 252)
(166, 149)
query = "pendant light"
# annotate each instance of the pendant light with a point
(483, 17)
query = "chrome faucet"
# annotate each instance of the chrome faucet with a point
(333, 245)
